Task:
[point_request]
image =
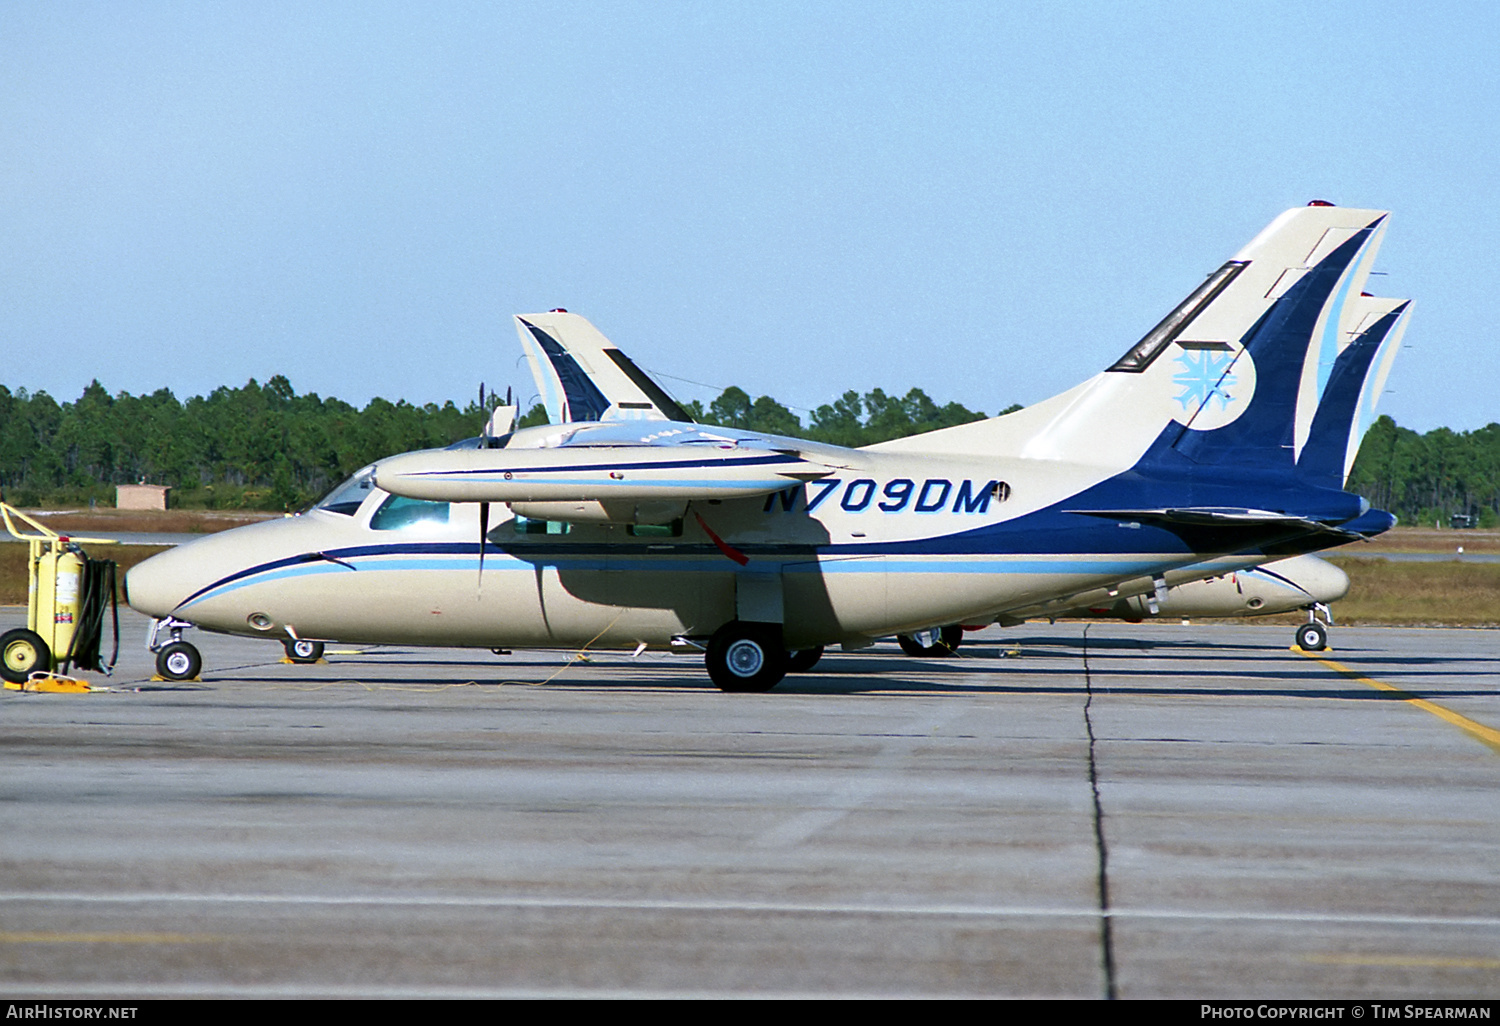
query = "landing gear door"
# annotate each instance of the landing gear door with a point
(759, 597)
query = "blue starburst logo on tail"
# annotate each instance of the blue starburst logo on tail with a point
(1204, 380)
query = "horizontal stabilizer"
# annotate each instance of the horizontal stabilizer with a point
(1219, 517)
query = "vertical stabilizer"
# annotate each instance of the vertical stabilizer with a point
(1351, 392)
(1272, 376)
(1229, 376)
(581, 376)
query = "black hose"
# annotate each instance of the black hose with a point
(97, 592)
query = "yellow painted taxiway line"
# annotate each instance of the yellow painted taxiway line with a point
(1478, 731)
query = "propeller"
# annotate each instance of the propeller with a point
(484, 443)
(484, 529)
(484, 507)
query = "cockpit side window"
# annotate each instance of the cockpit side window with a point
(349, 496)
(398, 511)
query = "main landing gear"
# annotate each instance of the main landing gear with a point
(300, 650)
(935, 641)
(175, 659)
(804, 660)
(1312, 636)
(746, 657)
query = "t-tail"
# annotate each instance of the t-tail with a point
(1250, 399)
(1235, 371)
(582, 377)
(1204, 419)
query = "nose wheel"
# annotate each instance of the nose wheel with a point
(175, 659)
(303, 651)
(179, 661)
(1312, 636)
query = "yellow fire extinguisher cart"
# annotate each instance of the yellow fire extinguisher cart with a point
(65, 603)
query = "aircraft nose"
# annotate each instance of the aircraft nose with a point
(1324, 581)
(159, 584)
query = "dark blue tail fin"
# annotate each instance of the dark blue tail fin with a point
(1350, 395)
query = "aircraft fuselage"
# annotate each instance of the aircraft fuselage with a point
(887, 544)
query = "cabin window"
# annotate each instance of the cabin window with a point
(672, 530)
(398, 512)
(528, 525)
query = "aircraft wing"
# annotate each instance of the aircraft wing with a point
(601, 473)
(581, 376)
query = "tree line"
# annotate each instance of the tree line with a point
(265, 447)
(1425, 479)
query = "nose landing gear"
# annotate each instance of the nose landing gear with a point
(300, 650)
(1312, 636)
(175, 659)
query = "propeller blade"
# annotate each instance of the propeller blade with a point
(484, 529)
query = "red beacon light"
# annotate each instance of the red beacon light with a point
(557, 309)
(1319, 203)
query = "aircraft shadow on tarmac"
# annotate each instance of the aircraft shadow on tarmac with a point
(888, 676)
(1058, 661)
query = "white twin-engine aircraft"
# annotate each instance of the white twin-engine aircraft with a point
(1218, 443)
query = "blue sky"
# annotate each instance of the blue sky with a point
(989, 201)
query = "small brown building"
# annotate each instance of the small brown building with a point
(141, 496)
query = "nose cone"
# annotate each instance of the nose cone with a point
(160, 584)
(1318, 577)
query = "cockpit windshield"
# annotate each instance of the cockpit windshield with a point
(349, 496)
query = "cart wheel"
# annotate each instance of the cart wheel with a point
(22, 653)
(178, 661)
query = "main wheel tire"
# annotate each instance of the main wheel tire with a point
(178, 661)
(1312, 637)
(23, 653)
(746, 657)
(303, 651)
(943, 642)
(806, 659)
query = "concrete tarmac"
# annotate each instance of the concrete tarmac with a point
(1140, 811)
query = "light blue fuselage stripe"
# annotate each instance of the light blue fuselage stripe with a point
(505, 563)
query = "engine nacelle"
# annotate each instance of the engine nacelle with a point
(657, 511)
